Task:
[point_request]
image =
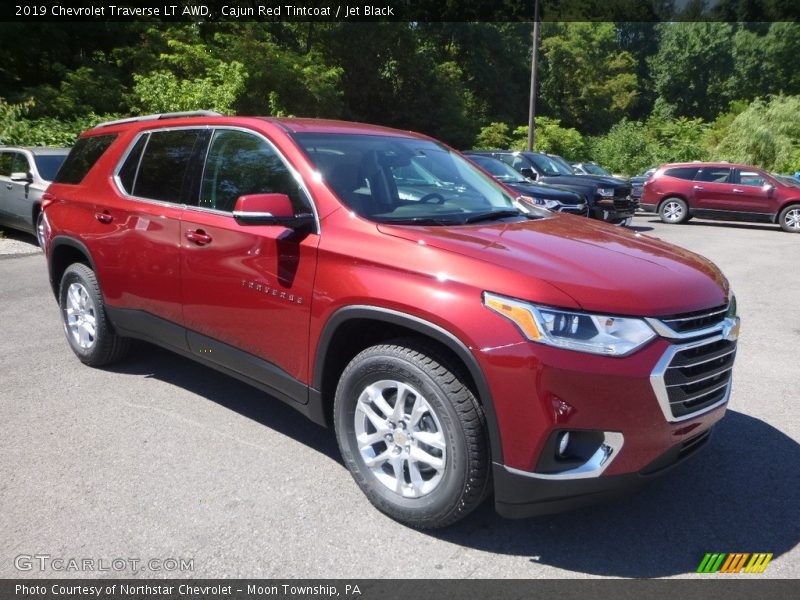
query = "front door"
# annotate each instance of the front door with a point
(247, 288)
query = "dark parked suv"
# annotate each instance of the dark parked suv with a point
(680, 191)
(609, 198)
(456, 344)
(552, 197)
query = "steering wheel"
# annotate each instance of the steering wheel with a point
(431, 196)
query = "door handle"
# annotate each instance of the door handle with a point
(198, 236)
(698, 187)
(738, 191)
(104, 217)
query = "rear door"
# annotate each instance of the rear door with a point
(138, 244)
(247, 288)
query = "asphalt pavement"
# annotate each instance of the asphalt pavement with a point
(160, 463)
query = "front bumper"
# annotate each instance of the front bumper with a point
(520, 495)
(613, 210)
(573, 209)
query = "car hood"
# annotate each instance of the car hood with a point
(601, 267)
(550, 192)
(586, 180)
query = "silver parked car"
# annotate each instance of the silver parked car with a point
(25, 174)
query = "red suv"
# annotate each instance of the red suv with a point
(376, 281)
(680, 191)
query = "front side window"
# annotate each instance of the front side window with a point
(83, 156)
(162, 169)
(20, 163)
(714, 175)
(394, 179)
(241, 163)
(752, 178)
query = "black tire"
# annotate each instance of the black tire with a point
(463, 480)
(673, 211)
(788, 218)
(38, 227)
(105, 346)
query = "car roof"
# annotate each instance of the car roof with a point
(41, 150)
(700, 164)
(288, 124)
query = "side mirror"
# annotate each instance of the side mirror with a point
(21, 176)
(269, 209)
(529, 173)
(769, 188)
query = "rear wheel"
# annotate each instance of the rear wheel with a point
(789, 218)
(673, 211)
(38, 224)
(412, 434)
(86, 324)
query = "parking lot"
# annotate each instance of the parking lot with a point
(159, 458)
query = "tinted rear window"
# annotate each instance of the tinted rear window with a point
(48, 164)
(163, 166)
(82, 157)
(682, 172)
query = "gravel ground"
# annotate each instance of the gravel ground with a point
(160, 458)
(14, 244)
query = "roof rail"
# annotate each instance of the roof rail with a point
(157, 116)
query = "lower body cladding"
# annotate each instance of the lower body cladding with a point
(593, 428)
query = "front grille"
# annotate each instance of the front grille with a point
(699, 376)
(701, 319)
(622, 192)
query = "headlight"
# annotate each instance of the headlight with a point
(551, 203)
(582, 332)
(606, 192)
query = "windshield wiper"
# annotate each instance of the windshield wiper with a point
(419, 221)
(493, 215)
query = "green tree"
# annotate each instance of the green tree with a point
(493, 137)
(551, 137)
(767, 134)
(693, 66)
(587, 81)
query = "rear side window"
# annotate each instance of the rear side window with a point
(682, 172)
(714, 175)
(85, 153)
(127, 173)
(162, 169)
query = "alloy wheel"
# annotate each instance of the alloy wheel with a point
(80, 316)
(400, 438)
(673, 211)
(792, 219)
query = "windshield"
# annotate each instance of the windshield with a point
(48, 164)
(403, 180)
(593, 169)
(550, 166)
(498, 169)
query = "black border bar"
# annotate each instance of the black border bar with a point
(400, 10)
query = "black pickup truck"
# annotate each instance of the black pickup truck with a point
(609, 198)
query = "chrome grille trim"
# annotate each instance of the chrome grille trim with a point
(661, 390)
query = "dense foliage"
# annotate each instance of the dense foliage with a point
(629, 95)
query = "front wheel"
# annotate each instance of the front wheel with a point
(790, 218)
(673, 211)
(39, 228)
(412, 434)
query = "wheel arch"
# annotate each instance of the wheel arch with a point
(784, 206)
(338, 344)
(63, 252)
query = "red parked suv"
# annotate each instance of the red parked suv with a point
(680, 191)
(378, 282)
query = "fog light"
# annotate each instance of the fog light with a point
(563, 444)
